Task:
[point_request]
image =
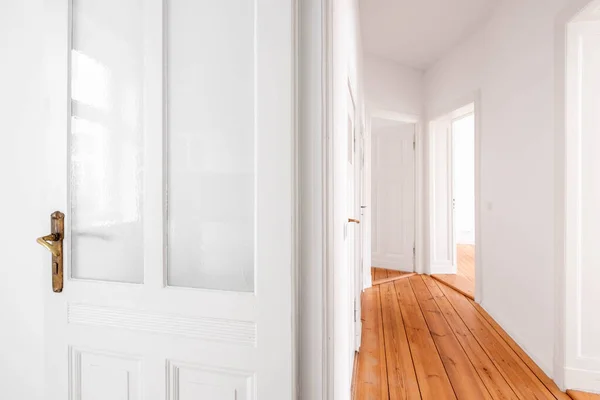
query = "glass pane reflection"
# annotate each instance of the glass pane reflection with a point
(107, 141)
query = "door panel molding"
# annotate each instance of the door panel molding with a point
(205, 382)
(577, 359)
(241, 333)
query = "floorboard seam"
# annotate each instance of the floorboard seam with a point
(460, 344)
(485, 350)
(408, 343)
(434, 343)
(380, 297)
(521, 358)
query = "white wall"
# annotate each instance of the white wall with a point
(511, 61)
(347, 71)
(25, 264)
(392, 87)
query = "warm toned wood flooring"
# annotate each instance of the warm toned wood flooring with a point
(423, 340)
(464, 279)
(582, 396)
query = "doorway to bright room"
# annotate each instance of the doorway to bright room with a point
(453, 139)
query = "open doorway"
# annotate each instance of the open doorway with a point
(454, 205)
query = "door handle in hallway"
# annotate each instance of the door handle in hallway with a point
(356, 221)
(54, 243)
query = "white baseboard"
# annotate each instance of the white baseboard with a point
(442, 268)
(581, 379)
(386, 264)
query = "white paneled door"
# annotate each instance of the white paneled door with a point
(170, 138)
(393, 195)
(582, 278)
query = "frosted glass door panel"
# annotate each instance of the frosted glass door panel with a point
(107, 143)
(211, 144)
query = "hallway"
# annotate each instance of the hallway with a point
(422, 339)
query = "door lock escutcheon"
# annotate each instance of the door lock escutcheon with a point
(54, 243)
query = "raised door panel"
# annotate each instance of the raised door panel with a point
(583, 215)
(193, 382)
(98, 376)
(440, 198)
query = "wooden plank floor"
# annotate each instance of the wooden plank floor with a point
(464, 279)
(582, 396)
(424, 340)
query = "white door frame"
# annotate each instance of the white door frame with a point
(462, 112)
(450, 110)
(419, 209)
(315, 123)
(567, 159)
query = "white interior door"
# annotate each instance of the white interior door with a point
(393, 195)
(582, 277)
(171, 150)
(441, 228)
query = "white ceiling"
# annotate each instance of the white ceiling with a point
(417, 33)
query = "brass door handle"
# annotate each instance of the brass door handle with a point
(54, 243)
(356, 221)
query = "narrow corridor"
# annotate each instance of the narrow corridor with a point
(422, 339)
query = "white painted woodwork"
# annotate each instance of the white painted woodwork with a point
(344, 71)
(313, 249)
(22, 162)
(442, 256)
(393, 195)
(361, 229)
(99, 376)
(367, 211)
(187, 104)
(582, 279)
(354, 230)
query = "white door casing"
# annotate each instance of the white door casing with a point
(352, 229)
(393, 195)
(193, 300)
(359, 172)
(582, 196)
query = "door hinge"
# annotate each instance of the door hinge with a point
(355, 310)
(414, 144)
